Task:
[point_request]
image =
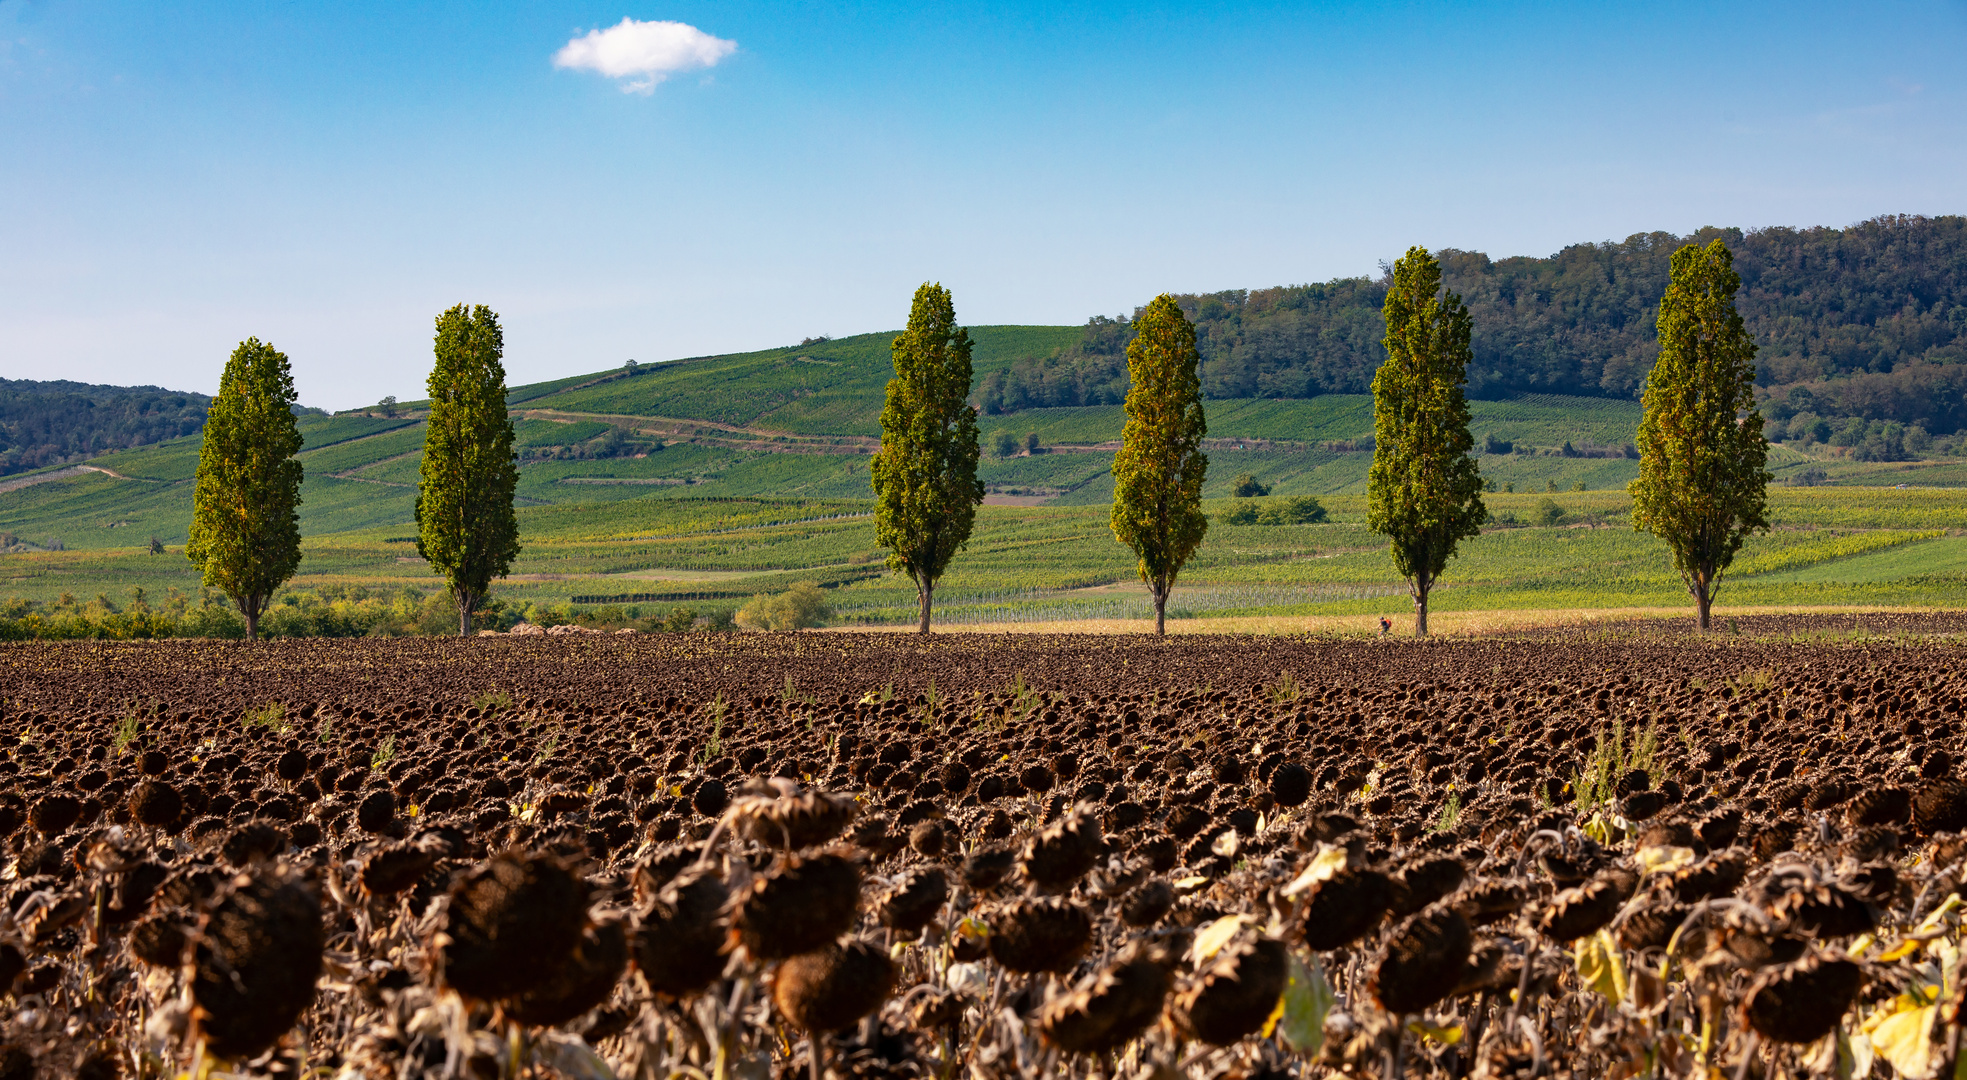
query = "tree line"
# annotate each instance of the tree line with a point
(1701, 488)
(52, 423)
(1868, 321)
(1702, 484)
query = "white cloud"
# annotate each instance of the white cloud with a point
(646, 52)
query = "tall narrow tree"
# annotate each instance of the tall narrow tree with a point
(245, 529)
(466, 526)
(1702, 484)
(925, 475)
(1424, 490)
(1158, 473)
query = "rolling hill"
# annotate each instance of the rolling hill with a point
(1865, 322)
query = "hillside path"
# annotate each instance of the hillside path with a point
(20, 482)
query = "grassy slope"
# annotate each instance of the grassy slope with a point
(826, 388)
(1832, 546)
(85, 511)
(1544, 420)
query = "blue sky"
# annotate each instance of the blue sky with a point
(177, 177)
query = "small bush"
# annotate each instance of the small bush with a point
(1303, 510)
(798, 608)
(212, 622)
(1249, 487)
(680, 620)
(438, 615)
(1549, 514)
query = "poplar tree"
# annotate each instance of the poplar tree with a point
(466, 526)
(1702, 485)
(1158, 473)
(1424, 490)
(925, 474)
(245, 529)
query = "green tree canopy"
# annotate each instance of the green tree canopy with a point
(925, 475)
(1702, 486)
(466, 526)
(1158, 473)
(1424, 490)
(245, 528)
(1248, 486)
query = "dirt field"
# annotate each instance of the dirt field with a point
(1579, 853)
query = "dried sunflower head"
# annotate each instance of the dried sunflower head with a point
(1062, 852)
(579, 985)
(396, 867)
(1233, 993)
(1110, 1007)
(799, 905)
(914, 900)
(1824, 910)
(254, 960)
(679, 939)
(1345, 907)
(53, 813)
(1424, 880)
(1886, 804)
(986, 866)
(1574, 913)
(1801, 1002)
(833, 987)
(1940, 806)
(513, 921)
(1719, 828)
(155, 803)
(1487, 902)
(1046, 934)
(291, 766)
(1147, 904)
(793, 820)
(1423, 960)
(377, 810)
(1290, 784)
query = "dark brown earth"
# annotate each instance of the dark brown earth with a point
(992, 855)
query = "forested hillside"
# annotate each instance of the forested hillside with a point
(49, 423)
(1867, 321)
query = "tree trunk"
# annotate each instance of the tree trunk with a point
(1420, 608)
(252, 623)
(467, 603)
(1703, 603)
(1160, 593)
(924, 595)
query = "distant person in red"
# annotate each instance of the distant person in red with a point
(1386, 626)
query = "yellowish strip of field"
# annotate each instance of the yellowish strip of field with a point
(1440, 623)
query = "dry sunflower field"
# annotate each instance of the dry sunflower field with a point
(868, 856)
